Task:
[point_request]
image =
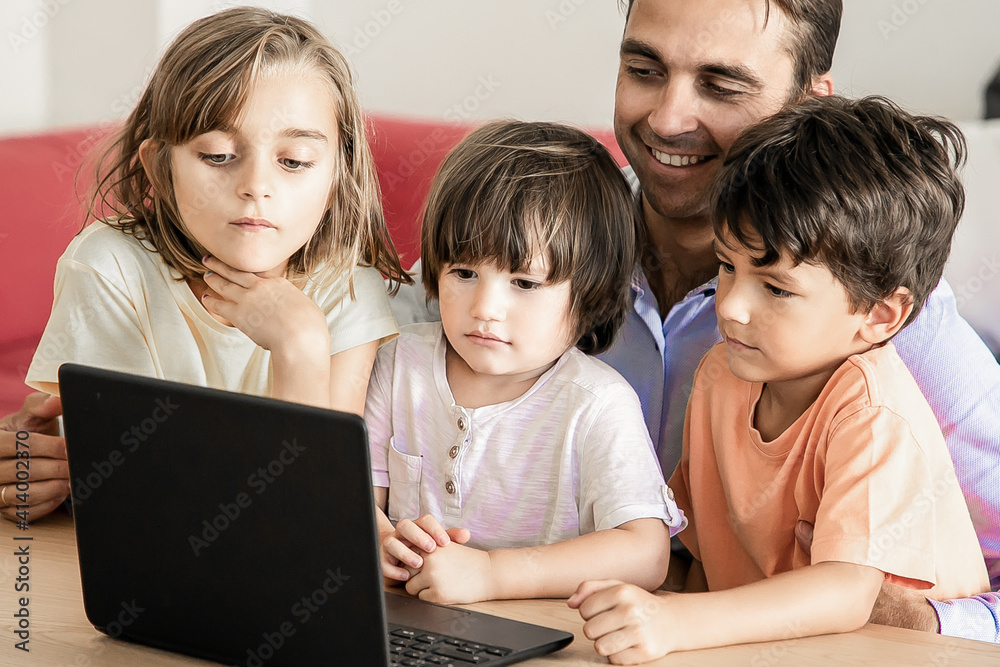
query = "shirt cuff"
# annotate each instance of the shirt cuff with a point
(970, 618)
(668, 512)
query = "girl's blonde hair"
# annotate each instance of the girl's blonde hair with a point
(201, 84)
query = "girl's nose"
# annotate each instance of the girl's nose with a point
(254, 179)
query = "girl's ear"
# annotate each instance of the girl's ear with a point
(887, 317)
(147, 154)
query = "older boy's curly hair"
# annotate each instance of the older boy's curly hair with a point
(859, 186)
(512, 189)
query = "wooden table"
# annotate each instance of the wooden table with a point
(61, 636)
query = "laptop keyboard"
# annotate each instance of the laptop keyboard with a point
(414, 648)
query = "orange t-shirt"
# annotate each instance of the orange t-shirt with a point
(866, 464)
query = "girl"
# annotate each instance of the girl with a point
(528, 459)
(245, 245)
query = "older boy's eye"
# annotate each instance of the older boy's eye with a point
(216, 158)
(778, 292)
(727, 267)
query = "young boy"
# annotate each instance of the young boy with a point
(527, 460)
(833, 222)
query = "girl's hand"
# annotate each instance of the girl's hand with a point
(270, 310)
(628, 625)
(453, 574)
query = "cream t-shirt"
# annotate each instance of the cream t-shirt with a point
(118, 306)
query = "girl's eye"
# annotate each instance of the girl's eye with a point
(216, 158)
(526, 285)
(295, 165)
(778, 292)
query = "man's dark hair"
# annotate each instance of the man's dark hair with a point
(859, 186)
(512, 189)
(815, 25)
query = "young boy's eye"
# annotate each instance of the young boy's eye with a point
(523, 284)
(216, 158)
(463, 274)
(778, 292)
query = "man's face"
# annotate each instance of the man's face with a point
(693, 75)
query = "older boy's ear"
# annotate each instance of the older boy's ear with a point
(887, 317)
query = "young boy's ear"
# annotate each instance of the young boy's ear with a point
(887, 317)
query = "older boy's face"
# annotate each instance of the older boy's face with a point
(783, 322)
(693, 75)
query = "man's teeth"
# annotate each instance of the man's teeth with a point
(676, 160)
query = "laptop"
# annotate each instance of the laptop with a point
(242, 529)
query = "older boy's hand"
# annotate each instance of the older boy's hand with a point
(895, 605)
(48, 473)
(402, 548)
(628, 625)
(454, 574)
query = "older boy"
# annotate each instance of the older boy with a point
(833, 222)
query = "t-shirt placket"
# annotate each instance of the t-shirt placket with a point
(453, 471)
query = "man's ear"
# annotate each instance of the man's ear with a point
(822, 85)
(887, 317)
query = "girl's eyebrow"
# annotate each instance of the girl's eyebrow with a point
(299, 133)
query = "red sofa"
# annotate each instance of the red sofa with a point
(40, 212)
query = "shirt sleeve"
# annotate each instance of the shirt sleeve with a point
(362, 319)
(378, 413)
(878, 504)
(93, 322)
(620, 479)
(961, 380)
(970, 618)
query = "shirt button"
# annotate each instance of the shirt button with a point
(461, 423)
(670, 493)
(453, 452)
(450, 487)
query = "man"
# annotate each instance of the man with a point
(693, 75)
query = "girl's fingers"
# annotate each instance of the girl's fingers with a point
(226, 272)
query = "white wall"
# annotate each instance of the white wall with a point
(70, 62)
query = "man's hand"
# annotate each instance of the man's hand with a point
(895, 605)
(627, 624)
(403, 547)
(43, 452)
(453, 574)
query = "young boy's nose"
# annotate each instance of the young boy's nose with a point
(488, 303)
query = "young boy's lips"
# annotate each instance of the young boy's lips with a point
(253, 224)
(485, 339)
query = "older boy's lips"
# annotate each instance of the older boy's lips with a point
(737, 344)
(252, 224)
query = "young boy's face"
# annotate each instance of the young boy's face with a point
(506, 324)
(783, 321)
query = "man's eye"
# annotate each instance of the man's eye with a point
(639, 72)
(720, 91)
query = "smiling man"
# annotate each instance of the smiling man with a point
(693, 75)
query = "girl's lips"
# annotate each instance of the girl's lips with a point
(252, 224)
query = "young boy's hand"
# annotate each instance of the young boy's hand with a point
(454, 574)
(628, 625)
(402, 548)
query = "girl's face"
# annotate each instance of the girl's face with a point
(254, 194)
(503, 325)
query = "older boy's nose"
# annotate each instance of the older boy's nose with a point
(732, 304)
